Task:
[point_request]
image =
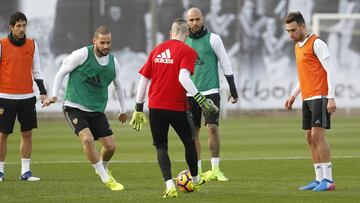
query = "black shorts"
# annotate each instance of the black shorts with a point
(196, 110)
(25, 111)
(181, 121)
(95, 121)
(315, 114)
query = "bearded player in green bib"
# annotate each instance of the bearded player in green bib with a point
(91, 70)
(210, 50)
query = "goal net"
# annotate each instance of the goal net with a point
(341, 32)
(346, 27)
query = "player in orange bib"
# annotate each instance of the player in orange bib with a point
(316, 84)
(19, 67)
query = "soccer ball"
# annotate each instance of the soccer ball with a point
(184, 181)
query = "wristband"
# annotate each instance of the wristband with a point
(139, 107)
(232, 86)
(41, 86)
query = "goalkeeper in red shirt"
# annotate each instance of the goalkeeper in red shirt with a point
(169, 67)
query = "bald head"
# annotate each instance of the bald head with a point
(193, 11)
(195, 19)
(179, 29)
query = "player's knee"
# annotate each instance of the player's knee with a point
(316, 137)
(212, 128)
(161, 146)
(26, 134)
(308, 136)
(189, 143)
(87, 140)
(110, 147)
(309, 140)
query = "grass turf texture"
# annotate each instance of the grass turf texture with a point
(266, 160)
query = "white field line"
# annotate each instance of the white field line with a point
(154, 161)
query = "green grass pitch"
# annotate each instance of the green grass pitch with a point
(265, 158)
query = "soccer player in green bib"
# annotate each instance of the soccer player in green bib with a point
(210, 50)
(91, 70)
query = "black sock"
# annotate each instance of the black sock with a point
(164, 163)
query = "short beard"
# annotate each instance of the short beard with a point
(99, 53)
(199, 29)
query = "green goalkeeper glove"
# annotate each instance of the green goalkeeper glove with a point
(138, 119)
(206, 104)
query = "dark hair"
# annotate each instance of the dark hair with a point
(294, 16)
(17, 16)
(103, 30)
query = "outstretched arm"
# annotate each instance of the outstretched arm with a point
(59, 77)
(71, 62)
(186, 82)
(207, 105)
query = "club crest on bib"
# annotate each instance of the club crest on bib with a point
(75, 121)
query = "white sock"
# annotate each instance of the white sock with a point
(105, 164)
(215, 161)
(327, 169)
(199, 166)
(169, 184)
(25, 165)
(196, 179)
(102, 172)
(2, 163)
(319, 175)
